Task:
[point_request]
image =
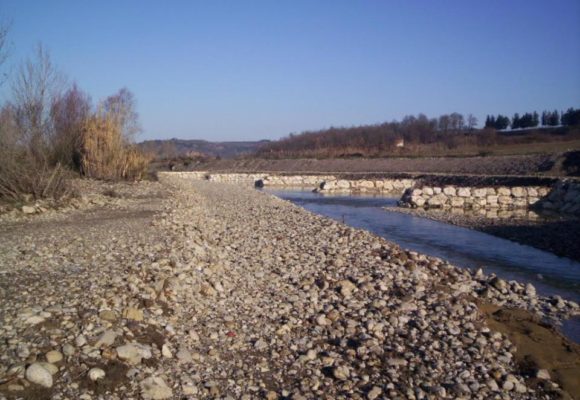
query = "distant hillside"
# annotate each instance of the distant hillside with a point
(172, 148)
(419, 137)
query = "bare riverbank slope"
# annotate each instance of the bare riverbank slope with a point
(554, 164)
(205, 290)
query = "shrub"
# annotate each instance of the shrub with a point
(106, 154)
(25, 168)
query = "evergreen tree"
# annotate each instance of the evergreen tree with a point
(554, 118)
(571, 117)
(516, 122)
(544, 118)
(501, 122)
(535, 119)
(526, 121)
(490, 121)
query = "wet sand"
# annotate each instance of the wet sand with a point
(538, 346)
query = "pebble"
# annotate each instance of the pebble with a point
(133, 353)
(53, 356)
(133, 314)
(155, 388)
(28, 210)
(96, 373)
(342, 373)
(106, 339)
(37, 374)
(374, 393)
(543, 374)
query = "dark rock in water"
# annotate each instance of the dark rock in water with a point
(259, 183)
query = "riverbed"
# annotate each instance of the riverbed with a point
(550, 274)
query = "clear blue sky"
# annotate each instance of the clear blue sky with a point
(249, 69)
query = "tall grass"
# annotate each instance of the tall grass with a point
(106, 154)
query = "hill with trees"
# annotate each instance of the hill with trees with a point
(179, 148)
(449, 134)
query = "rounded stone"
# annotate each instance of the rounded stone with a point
(35, 373)
(53, 356)
(95, 374)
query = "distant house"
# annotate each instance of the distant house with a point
(400, 143)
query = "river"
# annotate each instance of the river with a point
(550, 274)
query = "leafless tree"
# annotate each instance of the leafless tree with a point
(444, 123)
(456, 122)
(122, 107)
(471, 122)
(3, 50)
(34, 89)
(25, 134)
(69, 112)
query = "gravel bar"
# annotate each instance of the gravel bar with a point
(198, 290)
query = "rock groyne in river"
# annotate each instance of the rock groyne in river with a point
(429, 191)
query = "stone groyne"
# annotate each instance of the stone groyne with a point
(563, 197)
(464, 192)
(474, 197)
(324, 183)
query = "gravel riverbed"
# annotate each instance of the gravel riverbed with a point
(195, 290)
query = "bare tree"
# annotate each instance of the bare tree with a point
(34, 89)
(456, 122)
(444, 123)
(471, 122)
(69, 112)
(3, 50)
(122, 107)
(26, 168)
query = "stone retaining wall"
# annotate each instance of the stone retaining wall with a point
(467, 197)
(367, 185)
(257, 179)
(324, 183)
(562, 197)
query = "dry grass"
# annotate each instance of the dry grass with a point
(106, 153)
(508, 149)
(23, 178)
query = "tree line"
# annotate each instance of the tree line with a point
(533, 120)
(418, 135)
(50, 129)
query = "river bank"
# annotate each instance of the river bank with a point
(556, 234)
(547, 164)
(204, 290)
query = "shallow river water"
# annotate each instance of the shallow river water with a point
(550, 274)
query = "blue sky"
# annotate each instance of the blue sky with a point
(246, 70)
